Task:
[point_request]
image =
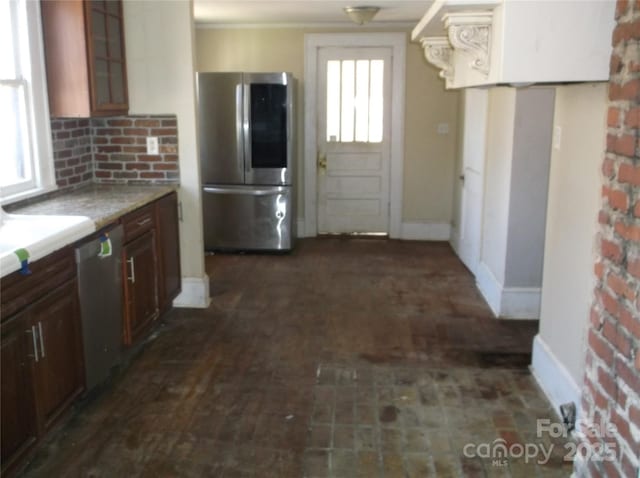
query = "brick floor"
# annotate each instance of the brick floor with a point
(347, 358)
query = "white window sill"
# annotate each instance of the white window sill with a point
(4, 201)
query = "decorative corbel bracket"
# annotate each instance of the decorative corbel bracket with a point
(471, 32)
(438, 52)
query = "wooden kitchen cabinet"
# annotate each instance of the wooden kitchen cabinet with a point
(140, 286)
(168, 246)
(19, 419)
(60, 370)
(150, 264)
(85, 57)
(41, 353)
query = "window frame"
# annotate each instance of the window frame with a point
(33, 78)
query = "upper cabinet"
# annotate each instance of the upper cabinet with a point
(514, 42)
(85, 57)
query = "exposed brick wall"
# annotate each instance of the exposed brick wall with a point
(113, 150)
(72, 155)
(120, 151)
(611, 393)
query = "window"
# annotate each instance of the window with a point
(26, 164)
(354, 100)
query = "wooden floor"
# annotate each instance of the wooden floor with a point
(349, 357)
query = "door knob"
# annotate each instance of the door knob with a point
(461, 177)
(322, 161)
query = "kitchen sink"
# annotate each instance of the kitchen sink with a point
(39, 235)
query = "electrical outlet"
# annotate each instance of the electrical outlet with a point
(152, 145)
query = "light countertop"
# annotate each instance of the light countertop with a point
(102, 203)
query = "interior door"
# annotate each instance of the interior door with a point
(354, 86)
(471, 177)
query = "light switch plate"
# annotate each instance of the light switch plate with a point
(443, 128)
(152, 145)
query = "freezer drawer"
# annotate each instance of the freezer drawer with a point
(247, 218)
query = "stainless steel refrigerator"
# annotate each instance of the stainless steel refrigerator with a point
(246, 160)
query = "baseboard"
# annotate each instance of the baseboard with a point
(425, 231)
(489, 287)
(554, 379)
(300, 231)
(520, 303)
(508, 302)
(195, 293)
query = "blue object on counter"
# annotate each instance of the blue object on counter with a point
(23, 257)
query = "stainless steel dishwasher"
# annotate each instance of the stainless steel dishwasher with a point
(100, 288)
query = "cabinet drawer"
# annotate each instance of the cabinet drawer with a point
(138, 222)
(19, 291)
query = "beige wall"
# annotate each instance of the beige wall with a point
(429, 157)
(160, 66)
(574, 198)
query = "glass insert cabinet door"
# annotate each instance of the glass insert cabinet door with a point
(106, 59)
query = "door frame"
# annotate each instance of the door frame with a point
(312, 43)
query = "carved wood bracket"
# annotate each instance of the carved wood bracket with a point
(438, 52)
(471, 32)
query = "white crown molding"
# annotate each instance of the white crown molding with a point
(471, 32)
(306, 26)
(438, 52)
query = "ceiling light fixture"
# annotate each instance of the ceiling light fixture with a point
(361, 15)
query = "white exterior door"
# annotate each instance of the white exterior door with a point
(472, 177)
(353, 139)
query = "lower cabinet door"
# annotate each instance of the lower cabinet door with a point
(168, 244)
(19, 419)
(60, 369)
(140, 290)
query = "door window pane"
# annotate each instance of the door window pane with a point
(376, 101)
(333, 100)
(355, 101)
(348, 101)
(268, 118)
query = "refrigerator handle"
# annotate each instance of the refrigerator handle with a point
(240, 124)
(247, 127)
(246, 191)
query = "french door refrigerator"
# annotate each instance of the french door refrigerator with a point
(246, 160)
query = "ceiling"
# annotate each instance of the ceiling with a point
(304, 12)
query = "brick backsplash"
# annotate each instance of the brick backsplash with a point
(120, 151)
(72, 155)
(113, 150)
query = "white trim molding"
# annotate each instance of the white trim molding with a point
(301, 231)
(553, 377)
(471, 32)
(426, 231)
(313, 42)
(195, 293)
(508, 302)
